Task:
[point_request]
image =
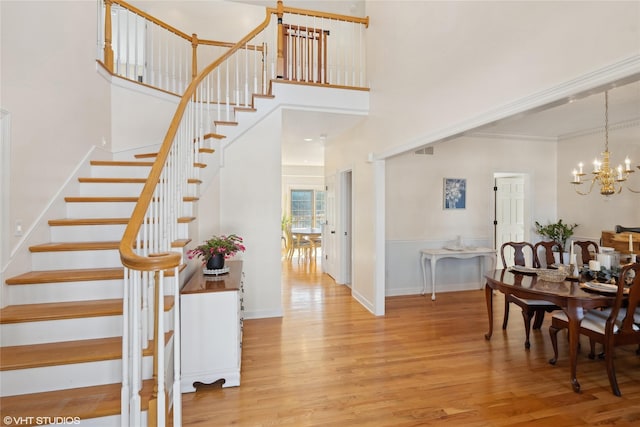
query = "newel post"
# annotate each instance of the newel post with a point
(108, 51)
(194, 56)
(280, 60)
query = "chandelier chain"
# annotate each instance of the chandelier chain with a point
(606, 121)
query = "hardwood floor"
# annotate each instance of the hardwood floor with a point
(330, 362)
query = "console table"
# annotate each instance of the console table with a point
(464, 253)
(211, 328)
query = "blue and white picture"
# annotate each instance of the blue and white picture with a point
(455, 193)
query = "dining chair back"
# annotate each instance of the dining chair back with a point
(296, 243)
(523, 254)
(588, 250)
(612, 327)
(547, 250)
(520, 252)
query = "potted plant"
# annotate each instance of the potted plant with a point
(214, 251)
(559, 231)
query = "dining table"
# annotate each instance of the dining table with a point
(570, 295)
(311, 234)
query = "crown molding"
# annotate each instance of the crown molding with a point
(615, 74)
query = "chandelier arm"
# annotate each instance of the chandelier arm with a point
(593, 181)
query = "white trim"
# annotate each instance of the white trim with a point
(379, 232)
(625, 70)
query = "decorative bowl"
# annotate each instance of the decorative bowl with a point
(550, 275)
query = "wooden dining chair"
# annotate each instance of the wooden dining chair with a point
(588, 250)
(524, 255)
(547, 249)
(296, 243)
(611, 327)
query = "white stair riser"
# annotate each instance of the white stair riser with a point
(110, 189)
(117, 189)
(87, 233)
(100, 209)
(39, 293)
(63, 377)
(26, 333)
(64, 260)
(121, 171)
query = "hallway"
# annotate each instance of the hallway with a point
(330, 362)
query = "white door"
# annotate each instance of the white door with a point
(329, 237)
(509, 211)
(345, 229)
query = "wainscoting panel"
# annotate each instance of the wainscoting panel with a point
(404, 274)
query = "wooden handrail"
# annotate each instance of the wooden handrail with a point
(328, 15)
(163, 261)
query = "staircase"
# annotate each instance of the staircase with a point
(62, 334)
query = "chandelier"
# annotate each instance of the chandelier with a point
(608, 178)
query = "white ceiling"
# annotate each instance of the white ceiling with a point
(583, 113)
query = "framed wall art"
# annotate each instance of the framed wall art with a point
(455, 193)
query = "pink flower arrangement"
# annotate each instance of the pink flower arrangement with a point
(225, 245)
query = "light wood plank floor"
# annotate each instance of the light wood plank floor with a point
(329, 362)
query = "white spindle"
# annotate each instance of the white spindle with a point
(125, 391)
(246, 75)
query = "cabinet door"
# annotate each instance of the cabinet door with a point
(210, 331)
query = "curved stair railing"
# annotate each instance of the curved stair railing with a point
(310, 48)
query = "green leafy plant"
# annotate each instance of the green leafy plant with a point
(225, 245)
(559, 232)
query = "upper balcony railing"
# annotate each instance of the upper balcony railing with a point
(302, 46)
(309, 47)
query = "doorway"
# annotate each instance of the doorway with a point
(511, 209)
(346, 210)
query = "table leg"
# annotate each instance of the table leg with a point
(574, 315)
(433, 278)
(424, 274)
(488, 295)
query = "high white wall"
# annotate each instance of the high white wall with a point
(458, 61)
(415, 218)
(250, 206)
(59, 105)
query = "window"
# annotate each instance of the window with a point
(307, 208)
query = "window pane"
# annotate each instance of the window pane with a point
(301, 208)
(320, 208)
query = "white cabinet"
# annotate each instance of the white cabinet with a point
(211, 328)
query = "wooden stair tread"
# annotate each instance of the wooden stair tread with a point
(111, 199)
(104, 221)
(245, 109)
(112, 180)
(65, 353)
(206, 150)
(89, 246)
(65, 310)
(119, 163)
(146, 155)
(60, 353)
(225, 123)
(88, 221)
(75, 275)
(74, 246)
(93, 199)
(83, 402)
(214, 136)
